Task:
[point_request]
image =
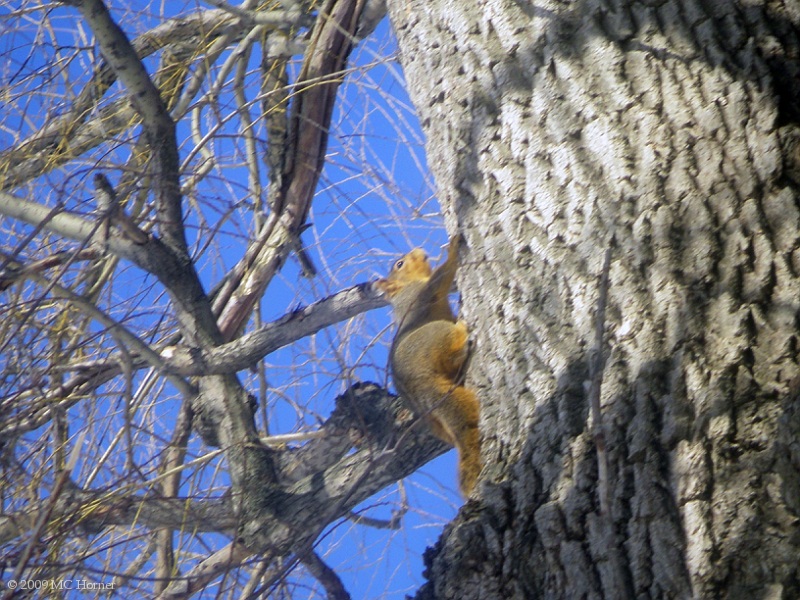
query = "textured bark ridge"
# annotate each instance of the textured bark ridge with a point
(670, 127)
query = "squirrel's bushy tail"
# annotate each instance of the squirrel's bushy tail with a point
(457, 419)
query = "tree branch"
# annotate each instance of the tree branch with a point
(227, 358)
(206, 571)
(334, 588)
(118, 331)
(243, 352)
(326, 56)
(278, 19)
(53, 219)
(388, 448)
(156, 120)
(69, 135)
(177, 274)
(95, 511)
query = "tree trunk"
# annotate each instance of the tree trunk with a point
(667, 132)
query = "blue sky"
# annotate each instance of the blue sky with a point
(375, 201)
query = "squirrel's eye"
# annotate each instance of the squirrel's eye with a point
(398, 264)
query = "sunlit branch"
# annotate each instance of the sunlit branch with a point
(200, 576)
(55, 220)
(252, 347)
(280, 19)
(328, 49)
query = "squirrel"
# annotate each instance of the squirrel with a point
(429, 353)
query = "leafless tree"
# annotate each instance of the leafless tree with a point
(157, 172)
(625, 175)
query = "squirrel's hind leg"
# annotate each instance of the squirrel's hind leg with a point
(456, 349)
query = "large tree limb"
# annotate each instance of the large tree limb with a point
(329, 485)
(301, 510)
(243, 352)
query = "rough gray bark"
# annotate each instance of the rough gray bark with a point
(665, 130)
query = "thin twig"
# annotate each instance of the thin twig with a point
(58, 487)
(119, 332)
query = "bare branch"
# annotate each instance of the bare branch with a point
(177, 274)
(108, 203)
(123, 60)
(15, 271)
(97, 510)
(120, 332)
(227, 358)
(55, 220)
(156, 120)
(334, 588)
(70, 134)
(170, 484)
(49, 505)
(308, 505)
(326, 57)
(220, 561)
(280, 19)
(252, 347)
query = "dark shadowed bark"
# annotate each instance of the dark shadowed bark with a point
(664, 131)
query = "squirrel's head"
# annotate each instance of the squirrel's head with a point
(414, 266)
